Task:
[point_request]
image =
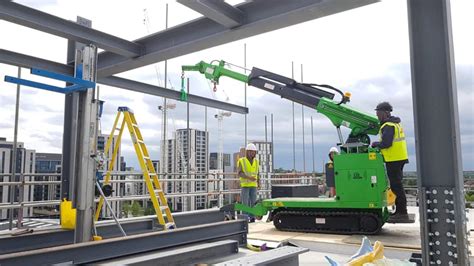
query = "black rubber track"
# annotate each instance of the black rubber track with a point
(331, 222)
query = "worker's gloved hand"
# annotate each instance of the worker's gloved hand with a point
(375, 144)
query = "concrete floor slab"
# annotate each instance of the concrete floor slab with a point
(404, 236)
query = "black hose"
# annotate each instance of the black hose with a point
(327, 87)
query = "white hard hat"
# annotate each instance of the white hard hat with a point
(333, 149)
(251, 147)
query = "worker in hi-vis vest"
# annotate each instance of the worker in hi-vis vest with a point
(247, 168)
(393, 146)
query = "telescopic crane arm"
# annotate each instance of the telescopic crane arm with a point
(311, 95)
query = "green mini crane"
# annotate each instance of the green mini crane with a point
(361, 205)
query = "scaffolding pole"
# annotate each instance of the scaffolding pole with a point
(293, 115)
(302, 126)
(14, 158)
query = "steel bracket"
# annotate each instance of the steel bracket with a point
(78, 84)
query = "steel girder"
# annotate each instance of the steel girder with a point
(30, 17)
(250, 18)
(107, 229)
(90, 252)
(27, 61)
(217, 10)
(167, 93)
(196, 254)
(260, 16)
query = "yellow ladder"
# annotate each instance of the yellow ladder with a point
(160, 203)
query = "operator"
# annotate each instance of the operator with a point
(247, 168)
(330, 181)
(393, 147)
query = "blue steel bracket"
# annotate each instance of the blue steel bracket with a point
(78, 84)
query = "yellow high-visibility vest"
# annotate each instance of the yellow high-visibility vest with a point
(249, 170)
(398, 150)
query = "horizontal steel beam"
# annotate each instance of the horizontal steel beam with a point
(42, 21)
(94, 251)
(286, 255)
(187, 255)
(107, 229)
(217, 10)
(170, 94)
(203, 33)
(27, 61)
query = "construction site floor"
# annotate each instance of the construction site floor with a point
(399, 240)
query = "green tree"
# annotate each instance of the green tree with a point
(137, 210)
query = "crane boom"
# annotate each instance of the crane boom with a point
(311, 95)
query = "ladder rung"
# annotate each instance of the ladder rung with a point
(134, 125)
(158, 191)
(163, 208)
(146, 158)
(152, 174)
(140, 141)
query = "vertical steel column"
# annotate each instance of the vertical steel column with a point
(440, 179)
(70, 131)
(85, 181)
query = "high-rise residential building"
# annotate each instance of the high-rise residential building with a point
(265, 159)
(264, 156)
(235, 184)
(168, 165)
(133, 188)
(47, 163)
(187, 153)
(213, 160)
(25, 164)
(225, 173)
(156, 165)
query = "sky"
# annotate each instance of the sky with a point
(364, 51)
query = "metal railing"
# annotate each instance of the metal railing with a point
(214, 187)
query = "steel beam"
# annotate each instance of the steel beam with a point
(438, 143)
(170, 94)
(107, 229)
(187, 255)
(260, 16)
(27, 61)
(217, 10)
(90, 252)
(42, 21)
(286, 255)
